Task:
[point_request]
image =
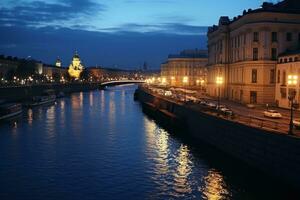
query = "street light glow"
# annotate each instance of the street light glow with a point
(292, 80)
(185, 79)
(219, 80)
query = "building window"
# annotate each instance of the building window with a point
(289, 37)
(284, 78)
(255, 53)
(254, 76)
(274, 36)
(296, 59)
(235, 42)
(285, 60)
(272, 76)
(283, 93)
(278, 76)
(274, 54)
(253, 97)
(255, 37)
(290, 59)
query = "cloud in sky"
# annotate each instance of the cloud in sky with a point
(129, 15)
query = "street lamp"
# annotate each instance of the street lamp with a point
(219, 82)
(163, 81)
(172, 80)
(185, 80)
(292, 82)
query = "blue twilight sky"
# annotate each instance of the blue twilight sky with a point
(122, 33)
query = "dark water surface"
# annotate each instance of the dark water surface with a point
(100, 145)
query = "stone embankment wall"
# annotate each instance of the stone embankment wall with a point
(272, 153)
(25, 92)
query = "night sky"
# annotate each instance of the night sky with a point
(111, 33)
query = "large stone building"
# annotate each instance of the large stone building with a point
(7, 66)
(185, 69)
(244, 51)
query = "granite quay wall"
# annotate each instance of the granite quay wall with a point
(19, 93)
(273, 153)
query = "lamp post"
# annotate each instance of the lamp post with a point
(292, 82)
(185, 81)
(172, 80)
(219, 82)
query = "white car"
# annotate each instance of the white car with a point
(212, 105)
(272, 114)
(168, 93)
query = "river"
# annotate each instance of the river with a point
(100, 145)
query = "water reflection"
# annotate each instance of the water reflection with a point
(91, 99)
(112, 108)
(162, 165)
(29, 116)
(123, 102)
(214, 186)
(77, 113)
(102, 101)
(50, 121)
(182, 184)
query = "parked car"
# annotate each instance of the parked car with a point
(212, 105)
(272, 114)
(226, 111)
(168, 93)
(203, 103)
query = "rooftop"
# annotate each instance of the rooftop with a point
(286, 6)
(190, 53)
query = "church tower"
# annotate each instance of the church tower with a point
(75, 67)
(58, 62)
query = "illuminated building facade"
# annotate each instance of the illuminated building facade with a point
(185, 69)
(288, 69)
(244, 51)
(75, 67)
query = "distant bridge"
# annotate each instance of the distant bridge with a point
(120, 82)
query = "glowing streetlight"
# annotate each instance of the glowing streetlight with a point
(163, 81)
(219, 82)
(292, 82)
(185, 81)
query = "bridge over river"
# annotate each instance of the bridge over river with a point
(120, 82)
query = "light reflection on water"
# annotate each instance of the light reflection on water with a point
(214, 187)
(100, 145)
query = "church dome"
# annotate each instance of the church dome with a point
(76, 56)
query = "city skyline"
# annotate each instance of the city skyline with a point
(122, 33)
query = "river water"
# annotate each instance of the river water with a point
(100, 145)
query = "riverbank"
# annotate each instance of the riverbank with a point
(25, 92)
(275, 154)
